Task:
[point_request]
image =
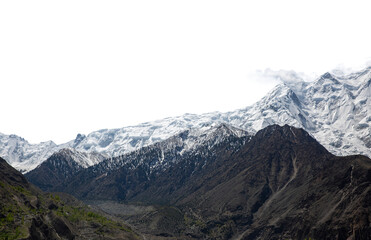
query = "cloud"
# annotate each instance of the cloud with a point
(282, 76)
(345, 69)
(291, 77)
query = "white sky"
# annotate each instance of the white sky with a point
(69, 67)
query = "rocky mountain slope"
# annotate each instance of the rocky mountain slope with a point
(60, 170)
(279, 184)
(25, 156)
(335, 109)
(284, 185)
(60, 166)
(28, 213)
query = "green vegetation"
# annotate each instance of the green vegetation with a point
(11, 222)
(77, 214)
(56, 198)
(193, 222)
(12, 212)
(9, 235)
(18, 206)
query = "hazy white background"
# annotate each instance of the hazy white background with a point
(69, 67)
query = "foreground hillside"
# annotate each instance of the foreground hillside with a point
(28, 213)
(279, 184)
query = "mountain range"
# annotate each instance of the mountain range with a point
(268, 171)
(197, 145)
(335, 109)
(278, 184)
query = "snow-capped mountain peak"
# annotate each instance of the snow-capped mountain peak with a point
(21, 154)
(83, 159)
(335, 109)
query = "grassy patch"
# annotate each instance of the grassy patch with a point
(18, 206)
(76, 214)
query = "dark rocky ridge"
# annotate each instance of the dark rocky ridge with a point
(135, 178)
(58, 168)
(135, 170)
